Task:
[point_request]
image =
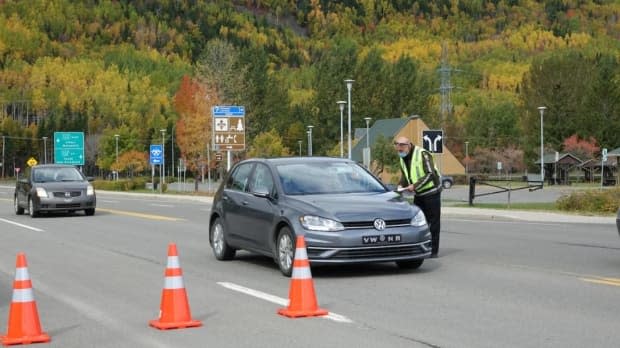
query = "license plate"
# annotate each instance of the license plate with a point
(386, 238)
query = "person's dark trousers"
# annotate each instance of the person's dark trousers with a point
(431, 207)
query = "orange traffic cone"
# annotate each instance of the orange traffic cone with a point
(302, 299)
(174, 310)
(24, 325)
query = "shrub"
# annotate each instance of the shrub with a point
(594, 201)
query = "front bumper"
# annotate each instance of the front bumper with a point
(380, 253)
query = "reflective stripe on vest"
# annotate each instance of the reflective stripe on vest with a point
(416, 170)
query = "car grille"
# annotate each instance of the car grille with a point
(370, 224)
(68, 205)
(368, 253)
(71, 193)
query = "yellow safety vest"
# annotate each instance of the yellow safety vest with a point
(417, 170)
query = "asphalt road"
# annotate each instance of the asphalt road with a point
(498, 283)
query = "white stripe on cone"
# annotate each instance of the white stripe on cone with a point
(301, 273)
(174, 283)
(23, 295)
(21, 273)
(300, 254)
(173, 262)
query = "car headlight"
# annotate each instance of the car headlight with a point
(317, 223)
(418, 220)
(41, 192)
(90, 190)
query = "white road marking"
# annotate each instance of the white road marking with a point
(107, 201)
(520, 222)
(278, 300)
(163, 205)
(22, 225)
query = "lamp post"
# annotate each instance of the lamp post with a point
(467, 159)
(45, 150)
(299, 142)
(542, 109)
(3, 145)
(116, 138)
(341, 104)
(367, 150)
(310, 140)
(349, 83)
(163, 161)
(172, 151)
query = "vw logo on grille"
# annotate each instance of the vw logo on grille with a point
(379, 224)
(67, 194)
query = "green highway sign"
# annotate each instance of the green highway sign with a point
(69, 148)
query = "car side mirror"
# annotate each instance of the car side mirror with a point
(261, 192)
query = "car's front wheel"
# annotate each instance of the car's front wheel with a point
(285, 249)
(18, 210)
(31, 211)
(410, 264)
(221, 249)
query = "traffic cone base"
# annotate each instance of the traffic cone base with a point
(174, 312)
(42, 338)
(24, 326)
(302, 299)
(176, 325)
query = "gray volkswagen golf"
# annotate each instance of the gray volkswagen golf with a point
(345, 214)
(54, 187)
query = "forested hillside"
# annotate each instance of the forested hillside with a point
(476, 68)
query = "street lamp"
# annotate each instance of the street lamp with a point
(467, 158)
(341, 104)
(45, 150)
(299, 142)
(349, 83)
(367, 150)
(116, 137)
(542, 163)
(310, 140)
(163, 161)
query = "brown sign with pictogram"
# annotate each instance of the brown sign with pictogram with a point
(229, 127)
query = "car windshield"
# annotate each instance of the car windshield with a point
(326, 178)
(56, 174)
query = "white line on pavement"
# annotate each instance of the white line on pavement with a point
(162, 205)
(278, 300)
(21, 225)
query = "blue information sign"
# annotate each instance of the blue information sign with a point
(69, 148)
(156, 154)
(224, 110)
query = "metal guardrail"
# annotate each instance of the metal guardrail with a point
(531, 186)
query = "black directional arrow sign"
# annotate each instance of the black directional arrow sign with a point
(432, 140)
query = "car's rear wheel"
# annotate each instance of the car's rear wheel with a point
(285, 249)
(221, 249)
(410, 264)
(89, 212)
(31, 211)
(18, 210)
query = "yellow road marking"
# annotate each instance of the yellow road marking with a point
(146, 216)
(604, 281)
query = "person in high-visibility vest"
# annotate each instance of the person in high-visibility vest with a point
(420, 176)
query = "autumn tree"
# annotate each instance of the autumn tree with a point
(268, 144)
(132, 162)
(193, 102)
(584, 149)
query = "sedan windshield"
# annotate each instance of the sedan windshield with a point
(57, 174)
(326, 178)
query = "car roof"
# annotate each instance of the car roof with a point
(53, 166)
(297, 159)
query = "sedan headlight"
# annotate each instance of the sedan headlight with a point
(90, 190)
(419, 220)
(41, 192)
(317, 223)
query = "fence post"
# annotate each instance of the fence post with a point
(472, 190)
